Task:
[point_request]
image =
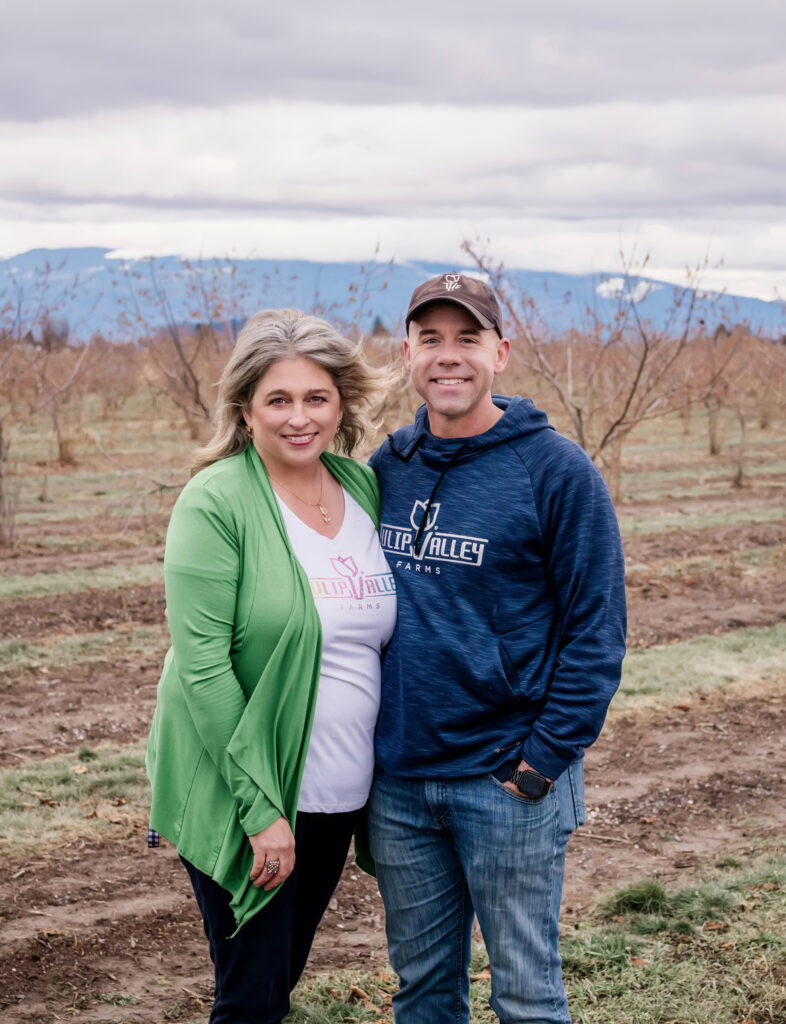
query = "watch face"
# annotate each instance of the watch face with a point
(531, 784)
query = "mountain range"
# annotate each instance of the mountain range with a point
(91, 290)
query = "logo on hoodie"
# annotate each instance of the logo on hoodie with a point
(435, 545)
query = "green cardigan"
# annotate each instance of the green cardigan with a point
(236, 698)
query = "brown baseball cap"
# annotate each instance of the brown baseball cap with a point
(474, 295)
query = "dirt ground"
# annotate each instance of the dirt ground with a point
(109, 929)
(665, 794)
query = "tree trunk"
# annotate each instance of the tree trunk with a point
(739, 477)
(65, 445)
(713, 424)
(612, 469)
(6, 508)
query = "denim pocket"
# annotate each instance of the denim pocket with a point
(519, 797)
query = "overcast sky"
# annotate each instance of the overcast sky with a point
(560, 132)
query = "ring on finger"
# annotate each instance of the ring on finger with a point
(272, 866)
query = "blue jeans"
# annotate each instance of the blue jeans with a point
(447, 849)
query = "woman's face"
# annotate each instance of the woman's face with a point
(294, 414)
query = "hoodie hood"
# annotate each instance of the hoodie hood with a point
(520, 418)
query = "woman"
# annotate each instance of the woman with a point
(279, 601)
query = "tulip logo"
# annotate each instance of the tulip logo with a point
(452, 282)
(417, 513)
(347, 567)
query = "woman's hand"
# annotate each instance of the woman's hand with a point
(274, 843)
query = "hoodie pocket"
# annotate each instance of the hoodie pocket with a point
(525, 653)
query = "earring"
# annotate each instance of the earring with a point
(250, 430)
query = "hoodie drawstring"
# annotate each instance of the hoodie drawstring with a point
(424, 520)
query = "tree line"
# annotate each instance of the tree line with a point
(600, 380)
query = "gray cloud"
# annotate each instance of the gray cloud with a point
(60, 59)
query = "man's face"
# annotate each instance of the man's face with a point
(452, 361)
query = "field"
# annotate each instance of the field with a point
(674, 908)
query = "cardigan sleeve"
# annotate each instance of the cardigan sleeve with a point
(201, 571)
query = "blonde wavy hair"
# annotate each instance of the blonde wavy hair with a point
(275, 334)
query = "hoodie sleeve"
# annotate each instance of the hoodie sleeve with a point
(586, 573)
(201, 568)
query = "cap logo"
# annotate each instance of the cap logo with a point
(452, 282)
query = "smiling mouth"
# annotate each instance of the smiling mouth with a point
(450, 380)
(299, 438)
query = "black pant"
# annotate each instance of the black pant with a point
(257, 969)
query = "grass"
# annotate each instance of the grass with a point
(720, 489)
(712, 953)
(654, 675)
(665, 522)
(760, 464)
(49, 802)
(74, 650)
(112, 577)
(87, 508)
(139, 530)
(76, 489)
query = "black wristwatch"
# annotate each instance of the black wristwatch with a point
(529, 782)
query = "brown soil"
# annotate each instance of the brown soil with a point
(35, 618)
(94, 701)
(670, 547)
(666, 610)
(109, 930)
(81, 706)
(88, 527)
(30, 561)
(94, 925)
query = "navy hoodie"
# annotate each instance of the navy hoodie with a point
(511, 598)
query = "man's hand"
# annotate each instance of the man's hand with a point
(523, 766)
(274, 847)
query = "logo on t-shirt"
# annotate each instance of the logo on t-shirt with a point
(351, 582)
(435, 545)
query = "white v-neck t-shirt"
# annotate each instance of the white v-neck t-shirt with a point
(355, 596)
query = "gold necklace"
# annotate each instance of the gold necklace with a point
(312, 504)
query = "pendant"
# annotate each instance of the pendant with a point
(325, 513)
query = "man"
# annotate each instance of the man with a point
(510, 635)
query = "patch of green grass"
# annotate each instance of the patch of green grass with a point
(758, 464)
(665, 522)
(723, 963)
(140, 532)
(654, 675)
(700, 903)
(728, 862)
(117, 998)
(645, 897)
(48, 802)
(110, 577)
(73, 650)
(714, 953)
(720, 489)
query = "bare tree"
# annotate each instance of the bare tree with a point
(611, 374)
(185, 348)
(31, 327)
(60, 379)
(17, 358)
